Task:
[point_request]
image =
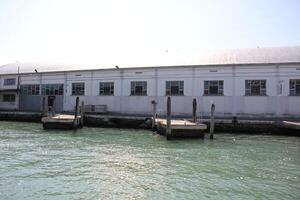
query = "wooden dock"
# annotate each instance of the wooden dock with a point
(181, 129)
(60, 121)
(291, 125)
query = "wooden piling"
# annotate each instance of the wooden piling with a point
(76, 108)
(194, 110)
(153, 114)
(168, 131)
(53, 108)
(82, 114)
(212, 121)
(44, 106)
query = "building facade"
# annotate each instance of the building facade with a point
(258, 91)
(241, 90)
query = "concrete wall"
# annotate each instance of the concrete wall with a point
(4, 89)
(276, 103)
(30, 102)
(9, 105)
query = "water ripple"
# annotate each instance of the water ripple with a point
(95, 163)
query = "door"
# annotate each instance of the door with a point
(51, 102)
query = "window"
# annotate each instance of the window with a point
(52, 89)
(106, 88)
(9, 97)
(213, 87)
(139, 88)
(10, 81)
(295, 87)
(174, 87)
(30, 89)
(77, 88)
(255, 87)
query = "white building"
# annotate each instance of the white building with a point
(261, 82)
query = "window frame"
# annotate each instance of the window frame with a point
(10, 99)
(135, 84)
(29, 88)
(294, 83)
(103, 85)
(211, 83)
(52, 90)
(179, 84)
(6, 81)
(250, 83)
(75, 89)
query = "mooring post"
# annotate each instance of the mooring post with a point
(194, 110)
(153, 114)
(76, 112)
(82, 114)
(44, 106)
(76, 107)
(168, 131)
(212, 121)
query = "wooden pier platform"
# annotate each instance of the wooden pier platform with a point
(60, 121)
(291, 125)
(181, 129)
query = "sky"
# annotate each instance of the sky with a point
(100, 32)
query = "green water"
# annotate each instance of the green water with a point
(95, 163)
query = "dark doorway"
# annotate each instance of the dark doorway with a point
(51, 102)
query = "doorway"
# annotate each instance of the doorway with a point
(51, 102)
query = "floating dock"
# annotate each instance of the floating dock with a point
(291, 125)
(181, 129)
(60, 121)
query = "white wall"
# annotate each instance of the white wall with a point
(9, 105)
(4, 89)
(234, 101)
(8, 87)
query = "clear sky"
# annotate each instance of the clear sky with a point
(101, 31)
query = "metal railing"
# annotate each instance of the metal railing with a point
(95, 108)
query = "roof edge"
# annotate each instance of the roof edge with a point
(156, 67)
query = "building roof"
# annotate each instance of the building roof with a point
(274, 55)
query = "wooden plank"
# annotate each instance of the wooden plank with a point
(292, 125)
(61, 117)
(181, 124)
(61, 122)
(181, 129)
(175, 122)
